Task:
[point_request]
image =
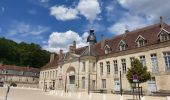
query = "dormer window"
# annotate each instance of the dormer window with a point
(122, 45)
(140, 41)
(163, 35)
(107, 49)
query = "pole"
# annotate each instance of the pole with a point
(120, 83)
(138, 91)
(7, 92)
(66, 83)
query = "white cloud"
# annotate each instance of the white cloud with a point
(89, 8)
(62, 40)
(63, 13)
(150, 8)
(44, 1)
(127, 23)
(140, 13)
(26, 29)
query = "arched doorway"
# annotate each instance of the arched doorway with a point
(71, 79)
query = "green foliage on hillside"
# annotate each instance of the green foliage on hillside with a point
(22, 54)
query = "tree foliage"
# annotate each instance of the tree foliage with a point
(140, 70)
(22, 54)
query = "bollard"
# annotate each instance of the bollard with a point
(90, 96)
(56, 93)
(104, 96)
(143, 98)
(62, 93)
(79, 95)
(69, 94)
(168, 97)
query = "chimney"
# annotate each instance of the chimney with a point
(60, 54)
(52, 57)
(161, 21)
(102, 41)
(74, 44)
(71, 49)
(126, 31)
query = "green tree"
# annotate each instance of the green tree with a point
(22, 54)
(140, 70)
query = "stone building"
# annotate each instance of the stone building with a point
(21, 76)
(98, 65)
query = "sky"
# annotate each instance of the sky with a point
(54, 24)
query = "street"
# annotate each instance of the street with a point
(27, 94)
(36, 94)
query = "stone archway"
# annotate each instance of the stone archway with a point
(71, 79)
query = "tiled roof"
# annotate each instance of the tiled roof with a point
(150, 33)
(19, 68)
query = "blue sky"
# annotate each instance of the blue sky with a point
(54, 24)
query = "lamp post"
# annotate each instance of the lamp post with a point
(120, 82)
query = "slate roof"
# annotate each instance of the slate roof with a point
(150, 33)
(19, 68)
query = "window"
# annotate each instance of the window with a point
(164, 36)
(94, 66)
(167, 60)
(108, 67)
(84, 67)
(56, 73)
(72, 79)
(142, 60)
(106, 49)
(123, 65)
(60, 83)
(132, 60)
(154, 62)
(83, 82)
(103, 84)
(115, 67)
(141, 43)
(93, 84)
(122, 47)
(101, 68)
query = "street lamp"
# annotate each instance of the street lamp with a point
(120, 82)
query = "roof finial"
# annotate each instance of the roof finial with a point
(161, 21)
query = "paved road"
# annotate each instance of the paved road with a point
(34, 94)
(28, 94)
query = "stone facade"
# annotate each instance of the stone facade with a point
(21, 76)
(98, 65)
